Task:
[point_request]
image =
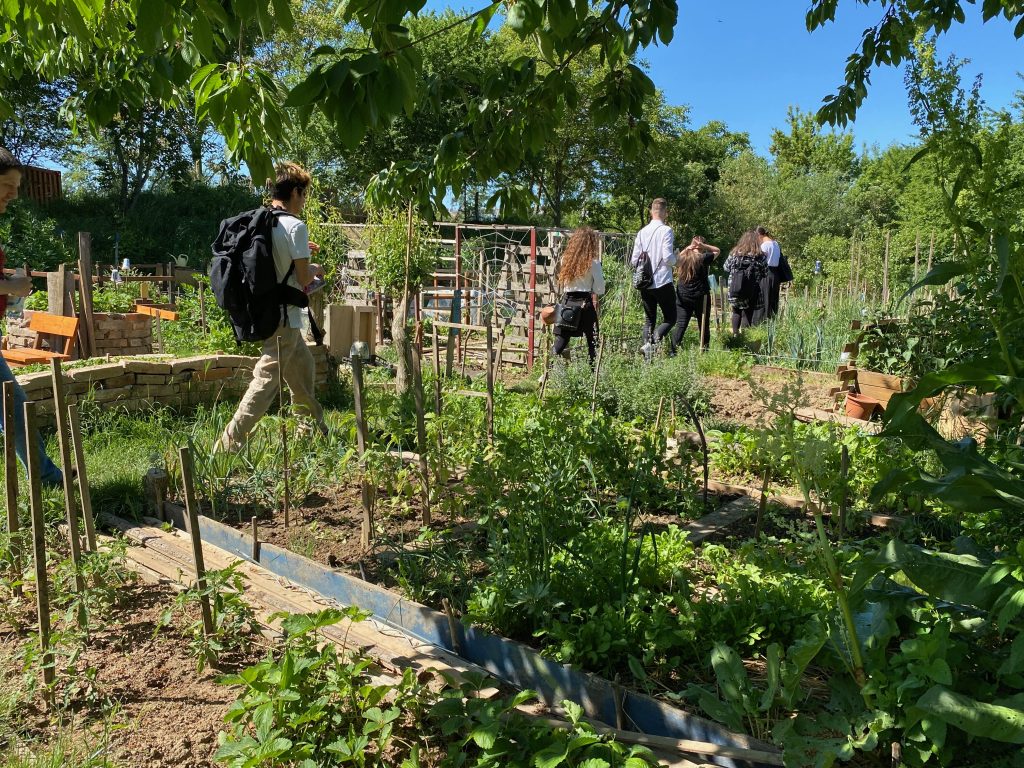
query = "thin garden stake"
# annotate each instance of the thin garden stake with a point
(421, 430)
(490, 384)
(286, 501)
(35, 486)
(255, 540)
(192, 526)
(597, 377)
(436, 355)
(75, 422)
(61, 415)
(11, 480)
(844, 474)
(762, 505)
(202, 309)
(657, 421)
(703, 444)
(544, 371)
(366, 534)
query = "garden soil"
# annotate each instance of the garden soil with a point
(736, 400)
(164, 713)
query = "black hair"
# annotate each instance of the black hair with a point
(8, 162)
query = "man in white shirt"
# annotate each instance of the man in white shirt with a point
(292, 248)
(657, 239)
(771, 284)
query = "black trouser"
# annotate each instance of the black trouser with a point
(701, 312)
(653, 299)
(770, 287)
(745, 316)
(588, 326)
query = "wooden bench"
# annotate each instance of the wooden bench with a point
(43, 323)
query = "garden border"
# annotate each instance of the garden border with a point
(509, 660)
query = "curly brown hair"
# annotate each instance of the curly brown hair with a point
(581, 251)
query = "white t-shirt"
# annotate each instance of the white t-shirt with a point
(772, 253)
(591, 281)
(657, 238)
(291, 241)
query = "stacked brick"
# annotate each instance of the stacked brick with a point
(117, 335)
(138, 384)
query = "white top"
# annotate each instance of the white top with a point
(588, 282)
(772, 253)
(291, 241)
(658, 240)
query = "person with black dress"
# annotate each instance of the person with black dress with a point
(693, 290)
(581, 281)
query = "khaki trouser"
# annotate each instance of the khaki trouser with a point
(299, 370)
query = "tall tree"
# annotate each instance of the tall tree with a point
(805, 148)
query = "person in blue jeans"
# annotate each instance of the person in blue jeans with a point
(10, 181)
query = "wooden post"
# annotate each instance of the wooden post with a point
(366, 534)
(61, 415)
(762, 505)
(436, 355)
(154, 488)
(87, 333)
(159, 334)
(917, 254)
(597, 377)
(11, 480)
(531, 328)
(202, 307)
(844, 474)
(75, 423)
(885, 271)
(545, 372)
(421, 430)
(192, 526)
(58, 292)
(490, 384)
(255, 540)
(170, 282)
(456, 308)
(35, 484)
(657, 421)
(497, 358)
(703, 445)
(286, 501)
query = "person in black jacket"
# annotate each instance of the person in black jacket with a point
(693, 290)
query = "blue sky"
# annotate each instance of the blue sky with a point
(744, 62)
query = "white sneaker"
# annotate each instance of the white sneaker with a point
(648, 351)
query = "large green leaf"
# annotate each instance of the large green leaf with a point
(978, 718)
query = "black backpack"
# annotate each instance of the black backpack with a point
(744, 282)
(244, 279)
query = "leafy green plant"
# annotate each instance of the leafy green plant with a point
(234, 622)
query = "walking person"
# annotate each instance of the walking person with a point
(746, 268)
(773, 278)
(693, 290)
(655, 242)
(10, 181)
(291, 250)
(581, 281)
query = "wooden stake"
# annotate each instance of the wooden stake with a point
(597, 376)
(703, 445)
(11, 478)
(75, 422)
(657, 421)
(762, 505)
(421, 430)
(35, 484)
(917, 253)
(192, 527)
(885, 272)
(366, 534)
(202, 308)
(436, 355)
(61, 416)
(545, 372)
(255, 540)
(490, 385)
(88, 328)
(844, 474)
(286, 502)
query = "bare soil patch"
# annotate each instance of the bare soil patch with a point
(735, 399)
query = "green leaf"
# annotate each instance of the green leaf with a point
(1014, 663)
(977, 718)
(484, 736)
(551, 757)
(729, 672)
(149, 17)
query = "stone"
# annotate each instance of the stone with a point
(151, 378)
(198, 363)
(120, 381)
(214, 374)
(148, 366)
(109, 395)
(236, 361)
(33, 382)
(97, 372)
(180, 378)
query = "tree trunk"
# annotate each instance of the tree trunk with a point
(400, 340)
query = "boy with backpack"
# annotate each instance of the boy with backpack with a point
(261, 270)
(652, 260)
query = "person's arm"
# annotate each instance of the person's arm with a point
(637, 248)
(597, 273)
(668, 253)
(304, 270)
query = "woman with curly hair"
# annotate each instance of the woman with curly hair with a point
(746, 267)
(581, 281)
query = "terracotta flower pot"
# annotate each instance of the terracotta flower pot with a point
(860, 406)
